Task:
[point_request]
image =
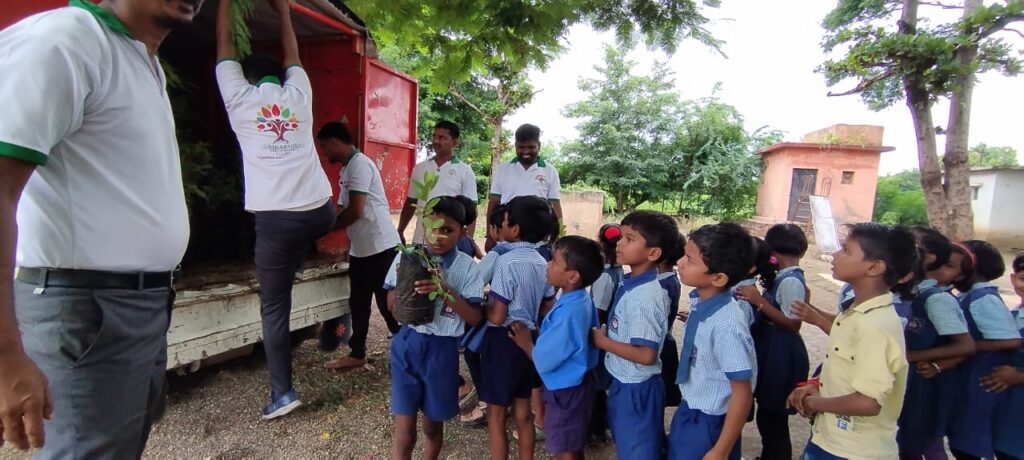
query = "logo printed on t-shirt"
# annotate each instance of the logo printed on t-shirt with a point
(540, 178)
(276, 120)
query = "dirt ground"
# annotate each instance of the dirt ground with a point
(214, 413)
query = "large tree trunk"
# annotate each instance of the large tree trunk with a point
(495, 146)
(920, 106)
(957, 169)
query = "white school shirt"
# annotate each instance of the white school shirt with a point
(86, 103)
(512, 180)
(274, 127)
(374, 232)
(454, 178)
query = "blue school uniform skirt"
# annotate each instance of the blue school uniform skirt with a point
(694, 433)
(1008, 434)
(636, 417)
(972, 425)
(782, 363)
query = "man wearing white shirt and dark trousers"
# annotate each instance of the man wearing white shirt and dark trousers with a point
(454, 178)
(527, 174)
(365, 214)
(270, 108)
(91, 178)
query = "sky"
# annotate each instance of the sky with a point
(773, 49)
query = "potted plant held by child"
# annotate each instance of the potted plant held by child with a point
(416, 264)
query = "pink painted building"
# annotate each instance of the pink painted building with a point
(840, 162)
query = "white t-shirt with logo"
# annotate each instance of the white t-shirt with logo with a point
(274, 126)
(85, 102)
(454, 178)
(512, 180)
(373, 232)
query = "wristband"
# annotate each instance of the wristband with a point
(814, 381)
(936, 366)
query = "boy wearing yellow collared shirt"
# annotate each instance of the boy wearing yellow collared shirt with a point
(858, 399)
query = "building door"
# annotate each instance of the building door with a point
(804, 181)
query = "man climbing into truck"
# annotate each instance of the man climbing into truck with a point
(270, 107)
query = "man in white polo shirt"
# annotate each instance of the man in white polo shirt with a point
(454, 178)
(364, 212)
(527, 174)
(270, 106)
(102, 223)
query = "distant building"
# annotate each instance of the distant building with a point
(997, 198)
(840, 162)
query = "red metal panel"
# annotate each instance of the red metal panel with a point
(14, 11)
(395, 168)
(390, 105)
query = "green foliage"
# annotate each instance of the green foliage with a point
(982, 155)
(424, 208)
(639, 142)
(241, 11)
(899, 199)
(877, 55)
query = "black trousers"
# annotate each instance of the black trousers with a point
(367, 277)
(774, 429)
(282, 240)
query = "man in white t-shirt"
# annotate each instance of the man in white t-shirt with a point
(454, 178)
(271, 113)
(527, 174)
(88, 148)
(365, 214)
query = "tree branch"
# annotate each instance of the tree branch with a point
(470, 104)
(944, 6)
(1000, 24)
(866, 83)
(1019, 33)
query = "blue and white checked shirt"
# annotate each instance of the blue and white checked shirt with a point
(745, 307)
(460, 273)
(790, 290)
(520, 281)
(722, 351)
(992, 317)
(943, 310)
(603, 290)
(639, 317)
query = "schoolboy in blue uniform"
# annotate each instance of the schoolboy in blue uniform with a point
(637, 324)
(519, 286)
(425, 358)
(563, 354)
(717, 364)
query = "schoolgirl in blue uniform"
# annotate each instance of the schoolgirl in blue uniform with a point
(993, 329)
(603, 291)
(1009, 382)
(935, 330)
(781, 354)
(669, 281)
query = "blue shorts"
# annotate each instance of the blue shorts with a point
(813, 452)
(424, 375)
(694, 433)
(567, 416)
(636, 417)
(506, 373)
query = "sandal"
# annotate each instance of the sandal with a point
(466, 398)
(538, 434)
(475, 417)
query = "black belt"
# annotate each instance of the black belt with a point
(95, 279)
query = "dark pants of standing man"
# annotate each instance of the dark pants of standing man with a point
(104, 352)
(282, 239)
(367, 276)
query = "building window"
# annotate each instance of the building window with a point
(974, 192)
(847, 177)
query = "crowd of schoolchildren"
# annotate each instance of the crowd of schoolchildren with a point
(921, 347)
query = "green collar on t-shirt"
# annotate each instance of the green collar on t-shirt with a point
(103, 15)
(269, 79)
(352, 155)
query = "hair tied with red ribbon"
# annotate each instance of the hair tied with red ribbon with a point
(612, 232)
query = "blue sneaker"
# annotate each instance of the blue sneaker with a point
(281, 406)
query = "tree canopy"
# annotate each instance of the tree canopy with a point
(991, 156)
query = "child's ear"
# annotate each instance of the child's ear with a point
(574, 277)
(876, 268)
(719, 280)
(653, 254)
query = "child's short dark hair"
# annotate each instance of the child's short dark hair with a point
(527, 132)
(763, 265)
(892, 245)
(453, 129)
(582, 255)
(496, 217)
(450, 206)
(677, 250)
(933, 242)
(533, 215)
(1018, 262)
(470, 206)
(658, 229)
(609, 236)
(725, 248)
(988, 263)
(335, 130)
(786, 239)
